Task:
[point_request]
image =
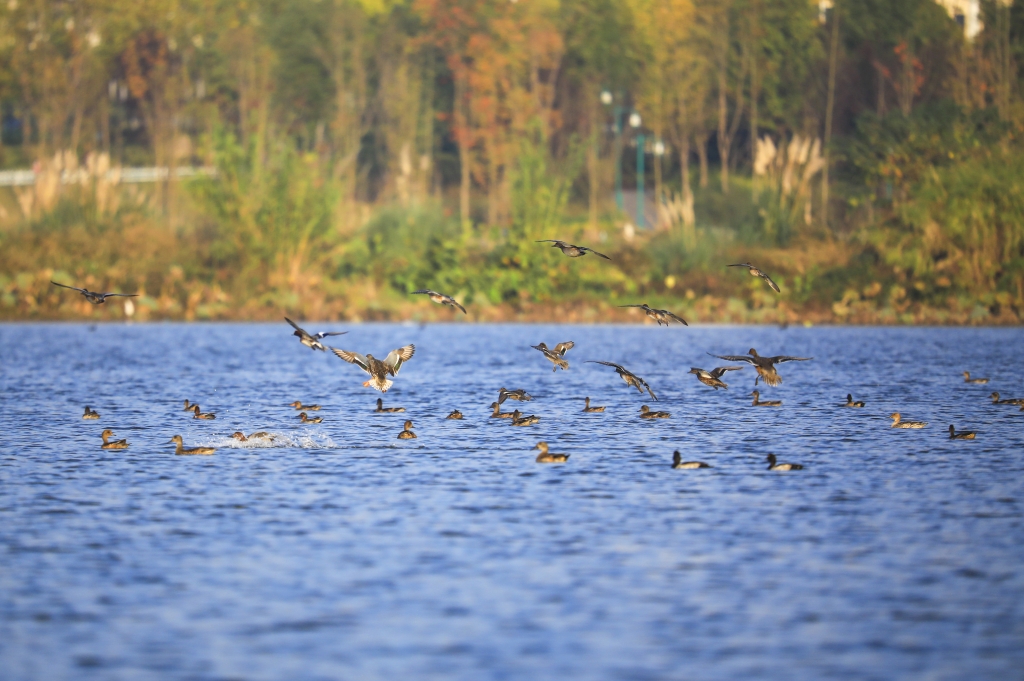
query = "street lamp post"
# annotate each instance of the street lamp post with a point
(634, 122)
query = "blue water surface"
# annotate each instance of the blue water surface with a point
(341, 552)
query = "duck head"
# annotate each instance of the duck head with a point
(238, 435)
(543, 447)
(644, 409)
(771, 459)
(408, 425)
(175, 440)
(753, 353)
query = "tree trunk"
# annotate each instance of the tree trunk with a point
(702, 155)
(462, 138)
(833, 58)
(723, 118)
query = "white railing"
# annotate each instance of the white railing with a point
(22, 178)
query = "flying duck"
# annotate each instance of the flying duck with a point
(962, 435)
(407, 434)
(646, 413)
(381, 409)
(517, 395)
(1009, 400)
(440, 298)
(379, 370)
(765, 366)
(312, 340)
(678, 463)
(456, 415)
(851, 403)
(979, 381)
(304, 418)
(592, 410)
(94, 297)
(112, 444)
(497, 413)
(204, 416)
(547, 457)
(663, 317)
(629, 377)
(181, 450)
(571, 250)
(90, 414)
(754, 272)
(299, 406)
(555, 356)
(766, 403)
(713, 378)
(773, 466)
(519, 420)
(898, 422)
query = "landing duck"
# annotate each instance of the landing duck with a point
(204, 416)
(851, 403)
(518, 395)
(713, 378)
(299, 406)
(898, 422)
(758, 402)
(407, 434)
(592, 410)
(379, 370)
(555, 355)
(547, 457)
(962, 435)
(629, 377)
(765, 366)
(456, 415)
(181, 450)
(678, 463)
(520, 420)
(112, 444)
(381, 409)
(312, 340)
(774, 466)
(89, 414)
(663, 317)
(304, 418)
(497, 413)
(646, 413)
(978, 381)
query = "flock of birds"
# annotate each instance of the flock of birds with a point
(381, 371)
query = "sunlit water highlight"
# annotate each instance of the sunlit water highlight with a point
(338, 551)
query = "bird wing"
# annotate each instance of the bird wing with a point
(718, 371)
(775, 287)
(591, 250)
(302, 330)
(556, 242)
(650, 392)
(633, 305)
(735, 358)
(325, 334)
(675, 317)
(618, 367)
(397, 357)
(427, 291)
(123, 295)
(73, 288)
(784, 358)
(456, 304)
(352, 358)
(742, 264)
(563, 348)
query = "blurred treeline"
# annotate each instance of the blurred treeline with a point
(867, 153)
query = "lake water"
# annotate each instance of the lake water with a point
(344, 553)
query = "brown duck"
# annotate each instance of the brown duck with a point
(90, 414)
(381, 409)
(646, 413)
(979, 381)
(629, 377)
(962, 435)
(299, 406)
(678, 463)
(205, 416)
(304, 418)
(663, 317)
(592, 410)
(758, 402)
(379, 370)
(520, 420)
(497, 413)
(548, 457)
(181, 450)
(456, 415)
(713, 378)
(765, 366)
(407, 434)
(555, 356)
(112, 444)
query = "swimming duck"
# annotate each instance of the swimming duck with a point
(304, 417)
(766, 403)
(979, 381)
(571, 250)
(94, 297)
(440, 298)
(188, 407)
(754, 272)
(663, 317)
(851, 403)
(555, 356)
(517, 395)
(89, 414)
(1010, 400)
(407, 434)
(497, 413)
(378, 370)
(207, 416)
(240, 436)
(312, 340)
(592, 410)
(547, 457)
(713, 378)
(646, 413)
(182, 451)
(962, 435)
(112, 444)
(381, 409)
(456, 415)
(898, 422)
(773, 466)
(765, 366)
(520, 420)
(299, 406)
(629, 377)
(677, 462)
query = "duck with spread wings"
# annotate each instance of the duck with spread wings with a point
(555, 355)
(713, 378)
(754, 272)
(440, 298)
(571, 250)
(94, 297)
(379, 370)
(628, 376)
(765, 366)
(663, 317)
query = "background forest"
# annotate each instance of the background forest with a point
(326, 157)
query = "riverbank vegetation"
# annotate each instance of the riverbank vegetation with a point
(867, 155)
